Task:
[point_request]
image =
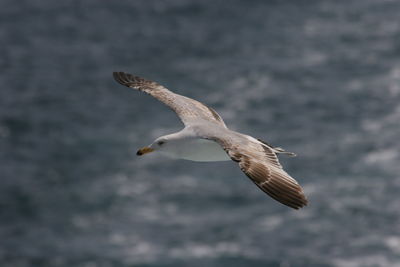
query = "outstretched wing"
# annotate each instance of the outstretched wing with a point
(260, 163)
(186, 108)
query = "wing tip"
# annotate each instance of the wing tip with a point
(118, 76)
(134, 81)
(289, 196)
(123, 78)
(302, 203)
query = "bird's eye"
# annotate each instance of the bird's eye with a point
(160, 143)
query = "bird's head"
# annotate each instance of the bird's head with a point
(157, 145)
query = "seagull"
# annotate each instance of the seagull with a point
(205, 137)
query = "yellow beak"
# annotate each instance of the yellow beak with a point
(144, 150)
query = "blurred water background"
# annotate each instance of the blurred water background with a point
(320, 78)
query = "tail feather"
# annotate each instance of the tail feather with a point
(278, 150)
(282, 151)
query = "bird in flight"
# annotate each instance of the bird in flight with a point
(205, 137)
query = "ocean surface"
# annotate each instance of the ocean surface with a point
(319, 78)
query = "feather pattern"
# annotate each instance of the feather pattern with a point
(256, 158)
(186, 108)
(262, 166)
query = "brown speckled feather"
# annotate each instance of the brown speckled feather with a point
(256, 158)
(262, 166)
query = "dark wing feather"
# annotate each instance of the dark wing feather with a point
(187, 109)
(261, 165)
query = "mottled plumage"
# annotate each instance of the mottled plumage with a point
(256, 158)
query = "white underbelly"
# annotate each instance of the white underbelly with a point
(198, 150)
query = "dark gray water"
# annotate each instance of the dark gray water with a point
(320, 78)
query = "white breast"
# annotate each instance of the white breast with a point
(196, 150)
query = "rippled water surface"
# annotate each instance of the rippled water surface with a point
(320, 78)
